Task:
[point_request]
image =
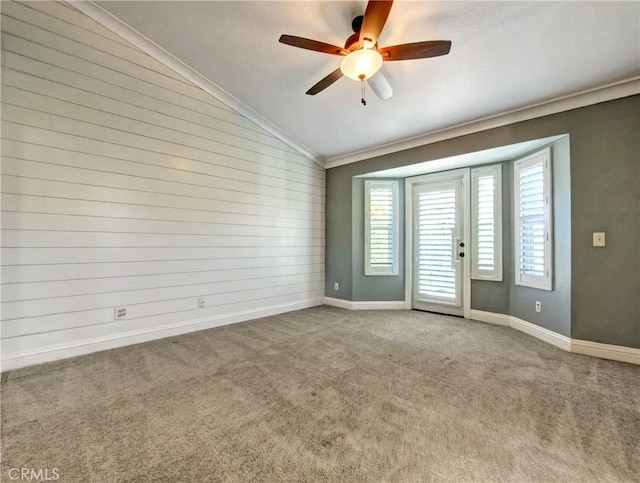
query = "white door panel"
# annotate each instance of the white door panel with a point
(438, 268)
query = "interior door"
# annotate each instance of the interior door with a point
(438, 268)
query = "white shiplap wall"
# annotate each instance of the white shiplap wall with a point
(125, 185)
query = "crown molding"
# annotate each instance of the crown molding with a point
(589, 97)
(124, 30)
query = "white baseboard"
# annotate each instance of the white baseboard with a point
(558, 340)
(365, 305)
(561, 341)
(64, 351)
(595, 349)
(340, 303)
(78, 348)
(490, 317)
(379, 305)
(606, 351)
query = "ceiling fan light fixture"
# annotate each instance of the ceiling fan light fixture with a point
(361, 64)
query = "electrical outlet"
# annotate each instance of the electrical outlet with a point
(336, 286)
(538, 306)
(201, 302)
(119, 313)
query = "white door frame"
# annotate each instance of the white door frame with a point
(466, 217)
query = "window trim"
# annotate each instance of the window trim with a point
(540, 282)
(494, 275)
(368, 269)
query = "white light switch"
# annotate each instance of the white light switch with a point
(598, 239)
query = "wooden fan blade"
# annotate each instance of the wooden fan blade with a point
(380, 85)
(374, 19)
(311, 45)
(416, 50)
(326, 82)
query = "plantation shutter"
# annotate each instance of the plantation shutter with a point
(532, 233)
(381, 234)
(533, 222)
(436, 220)
(486, 223)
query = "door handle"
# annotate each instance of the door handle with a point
(461, 254)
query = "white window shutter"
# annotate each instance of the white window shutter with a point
(381, 227)
(533, 224)
(486, 233)
(437, 217)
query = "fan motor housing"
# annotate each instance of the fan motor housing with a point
(353, 42)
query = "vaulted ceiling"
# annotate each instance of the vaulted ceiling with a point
(505, 56)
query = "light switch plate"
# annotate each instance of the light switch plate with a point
(598, 239)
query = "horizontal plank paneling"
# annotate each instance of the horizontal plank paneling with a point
(30, 14)
(38, 52)
(40, 256)
(67, 75)
(242, 290)
(107, 329)
(58, 189)
(69, 206)
(204, 163)
(46, 172)
(100, 163)
(66, 239)
(37, 221)
(58, 10)
(125, 185)
(153, 125)
(119, 134)
(36, 77)
(81, 271)
(14, 28)
(69, 288)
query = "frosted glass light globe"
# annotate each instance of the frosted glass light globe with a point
(361, 64)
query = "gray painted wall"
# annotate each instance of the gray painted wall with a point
(556, 304)
(494, 296)
(374, 287)
(338, 230)
(605, 176)
(605, 196)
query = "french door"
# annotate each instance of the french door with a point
(439, 215)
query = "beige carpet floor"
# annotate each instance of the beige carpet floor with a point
(325, 394)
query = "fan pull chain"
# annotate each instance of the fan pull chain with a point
(363, 100)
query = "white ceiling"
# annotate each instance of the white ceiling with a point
(505, 56)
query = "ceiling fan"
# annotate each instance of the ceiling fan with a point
(362, 57)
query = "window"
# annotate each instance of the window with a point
(486, 228)
(381, 228)
(532, 220)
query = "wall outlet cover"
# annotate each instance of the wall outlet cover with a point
(598, 239)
